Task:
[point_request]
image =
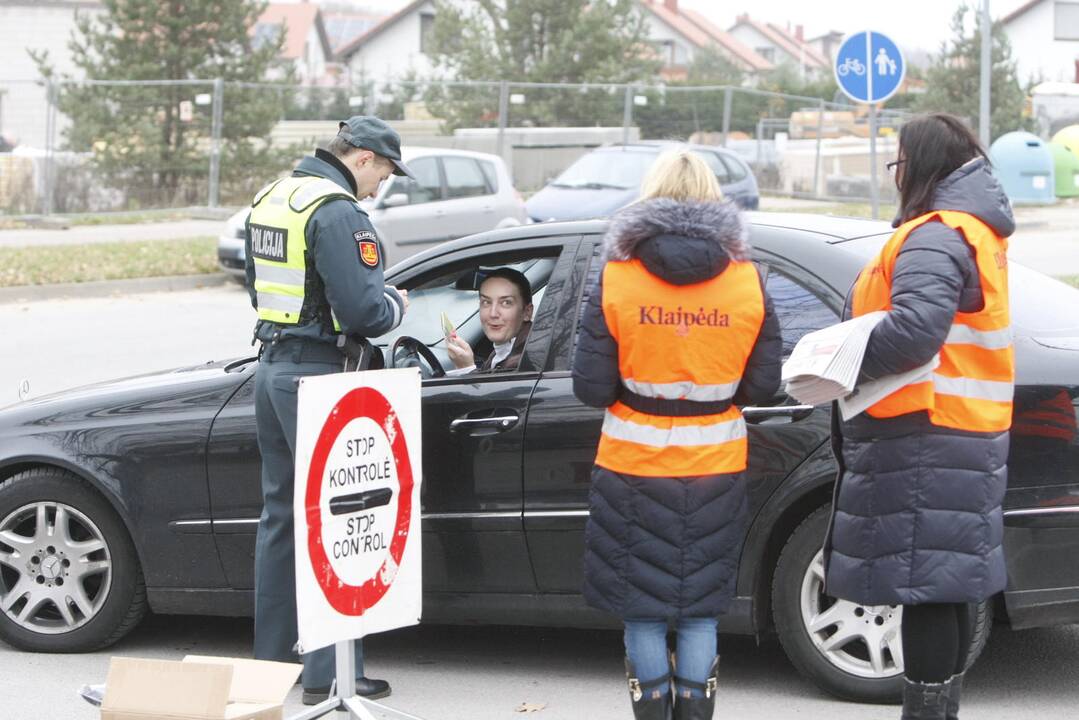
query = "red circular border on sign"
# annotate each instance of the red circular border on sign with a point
(345, 598)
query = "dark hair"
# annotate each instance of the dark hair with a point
(514, 276)
(932, 146)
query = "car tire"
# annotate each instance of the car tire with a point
(70, 580)
(816, 647)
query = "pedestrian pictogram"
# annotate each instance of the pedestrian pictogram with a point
(869, 67)
(357, 505)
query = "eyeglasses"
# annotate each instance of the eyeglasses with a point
(891, 167)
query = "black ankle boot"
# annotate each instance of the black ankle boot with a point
(697, 708)
(645, 706)
(924, 701)
(955, 690)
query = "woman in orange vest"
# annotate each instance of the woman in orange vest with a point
(917, 517)
(676, 333)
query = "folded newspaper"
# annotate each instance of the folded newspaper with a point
(825, 365)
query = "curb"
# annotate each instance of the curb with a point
(106, 288)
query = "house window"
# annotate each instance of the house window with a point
(427, 24)
(767, 53)
(1065, 20)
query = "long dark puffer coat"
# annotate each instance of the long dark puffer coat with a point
(663, 548)
(917, 512)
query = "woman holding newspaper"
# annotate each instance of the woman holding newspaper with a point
(677, 332)
(917, 515)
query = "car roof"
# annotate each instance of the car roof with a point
(412, 152)
(825, 229)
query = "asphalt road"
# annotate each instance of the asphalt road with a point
(443, 673)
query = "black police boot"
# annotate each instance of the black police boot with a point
(365, 687)
(645, 706)
(697, 708)
(955, 690)
(924, 701)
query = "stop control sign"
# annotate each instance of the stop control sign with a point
(356, 505)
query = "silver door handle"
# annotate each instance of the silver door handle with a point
(794, 412)
(501, 422)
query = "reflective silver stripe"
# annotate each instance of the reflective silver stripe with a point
(682, 390)
(395, 303)
(681, 435)
(988, 339)
(312, 191)
(284, 303)
(280, 275)
(993, 390)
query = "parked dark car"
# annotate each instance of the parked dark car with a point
(144, 493)
(610, 177)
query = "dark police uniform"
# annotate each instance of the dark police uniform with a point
(314, 271)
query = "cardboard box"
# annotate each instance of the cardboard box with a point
(199, 687)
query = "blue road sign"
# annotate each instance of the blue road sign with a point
(869, 67)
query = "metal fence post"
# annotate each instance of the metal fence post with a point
(817, 162)
(215, 142)
(503, 117)
(728, 97)
(50, 144)
(627, 114)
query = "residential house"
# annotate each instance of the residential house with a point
(39, 25)
(307, 45)
(779, 46)
(1044, 35)
(393, 48)
(678, 33)
(342, 27)
(827, 44)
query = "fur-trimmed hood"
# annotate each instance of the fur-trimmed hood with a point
(682, 242)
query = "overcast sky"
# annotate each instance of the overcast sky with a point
(913, 24)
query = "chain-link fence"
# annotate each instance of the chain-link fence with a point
(98, 146)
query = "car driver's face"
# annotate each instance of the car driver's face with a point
(502, 311)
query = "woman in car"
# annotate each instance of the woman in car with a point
(917, 515)
(676, 333)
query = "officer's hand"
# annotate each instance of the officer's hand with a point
(460, 351)
(404, 296)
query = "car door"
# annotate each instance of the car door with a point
(563, 434)
(418, 224)
(470, 199)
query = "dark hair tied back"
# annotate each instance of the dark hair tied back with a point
(932, 146)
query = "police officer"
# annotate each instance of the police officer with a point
(314, 271)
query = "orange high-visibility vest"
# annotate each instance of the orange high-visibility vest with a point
(683, 343)
(972, 389)
(1052, 418)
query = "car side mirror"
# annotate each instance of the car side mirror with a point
(395, 200)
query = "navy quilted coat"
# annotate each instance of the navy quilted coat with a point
(917, 511)
(664, 548)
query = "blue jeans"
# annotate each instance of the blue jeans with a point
(646, 648)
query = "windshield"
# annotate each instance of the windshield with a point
(614, 169)
(1030, 292)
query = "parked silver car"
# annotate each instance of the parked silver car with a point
(456, 193)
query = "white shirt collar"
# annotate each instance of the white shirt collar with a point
(502, 351)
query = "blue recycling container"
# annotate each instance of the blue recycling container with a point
(1024, 165)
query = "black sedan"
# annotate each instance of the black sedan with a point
(143, 494)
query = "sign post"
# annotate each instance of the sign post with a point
(869, 68)
(357, 518)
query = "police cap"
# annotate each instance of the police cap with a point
(370, 133)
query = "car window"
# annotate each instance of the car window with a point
(427, 187)
(464, 178)
(715, 165)
(798, 309)
(734, 166)
(608, 169)
(490, 173)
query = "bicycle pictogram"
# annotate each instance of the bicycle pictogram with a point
(851, 65)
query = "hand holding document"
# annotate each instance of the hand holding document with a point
(447, 327)
(825, 365)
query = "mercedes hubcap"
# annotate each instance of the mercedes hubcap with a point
(863, 640)
(55, 568)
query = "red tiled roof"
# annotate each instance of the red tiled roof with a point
(297, 19)
(785, 41)
(699, 31)
(386, 24)
(811, 53)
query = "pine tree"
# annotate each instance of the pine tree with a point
(153, 140)
(953, 79)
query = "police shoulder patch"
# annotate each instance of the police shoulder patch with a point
(368, 246)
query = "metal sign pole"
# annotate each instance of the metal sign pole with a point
(874, 190)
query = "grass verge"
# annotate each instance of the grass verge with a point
(106, 261)
(1073, 280)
